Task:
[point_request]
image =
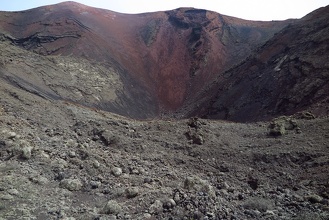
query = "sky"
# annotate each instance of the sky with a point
(264, 10)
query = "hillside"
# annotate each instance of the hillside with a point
(289, 73)
(162, 60)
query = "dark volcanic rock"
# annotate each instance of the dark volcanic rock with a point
(287, 74)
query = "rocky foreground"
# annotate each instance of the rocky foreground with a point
(63, 161)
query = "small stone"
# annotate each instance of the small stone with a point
(307, 115)
(6, 197)
(11, 135)
(141, 170)
(177, 197)
(72, 154)
(298, 198)
(225, 185)
(118, 191)
(71, 143)
(211, 215)
(156, 207)
(197, 215)
(132, 192)
(241, 196)
(42, 180)
(147, 216)
(269, 213)
(314, 198)
(126, 216)
(95, 184)
(198, 139)
(258, 204)
(148, 180)
(224, 168)
(108, 137)
(71, 184)
(116, 171)
(253, 183)
(195, 183)
(276, 129)
(13, 192)
(189, 183)
(44, 155)
(111, 207)
(256, 212)
(135, 171)
(169, 204)
(59, 163)
(281, 125)
(26, 152)
(96, 164)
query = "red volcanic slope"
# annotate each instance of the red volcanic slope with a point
(171, 54)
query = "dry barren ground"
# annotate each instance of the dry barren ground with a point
(63, 161)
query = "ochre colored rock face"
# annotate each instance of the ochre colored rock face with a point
(168, 56)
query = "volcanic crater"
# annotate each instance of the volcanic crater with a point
(181, 114)
(163, 60)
